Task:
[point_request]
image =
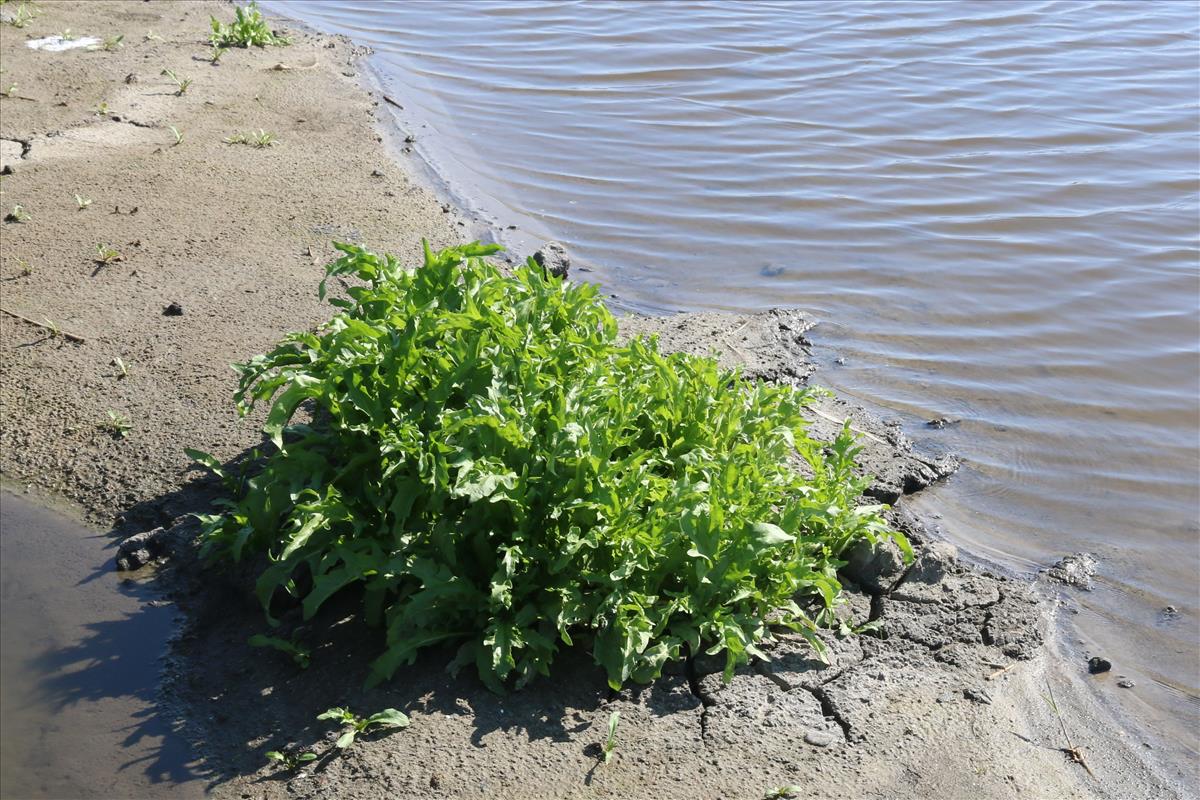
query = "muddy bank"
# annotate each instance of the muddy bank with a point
(235, 236)
(943, 698)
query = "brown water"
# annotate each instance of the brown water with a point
(992, 206)
(80, 654)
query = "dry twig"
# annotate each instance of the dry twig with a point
(71, 337)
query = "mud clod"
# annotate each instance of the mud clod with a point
(141, 548)
(553, 257)
(1075, 570)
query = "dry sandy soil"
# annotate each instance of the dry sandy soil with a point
(945, 699)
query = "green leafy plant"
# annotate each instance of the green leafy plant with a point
(117, 425)
(492, 468)
(354, 724)
(610, 741)
(299, 654)
(249, 27)
(181, 84)
(259, 139)
(106, 255)
(290, 761)
(82, 202)
(214, 57)
(25, 13)
(178, 134)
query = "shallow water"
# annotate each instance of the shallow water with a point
(79, 668)
(992, 207)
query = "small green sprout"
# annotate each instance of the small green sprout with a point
(151, 36)
(117, 425)
(102, 110)
(55, 331)
(178, 134)
(389, 717)
(249, 27)
(182, 84)
(26, 270)
(9, 90)
(25, 13)
(288, 761)
(106, 255)
(782, 793)
(109, 45)
(214, 57)
(67, 36)
(610, 742)
(259, 139)
(123, 370)
(82, 202)
(18, 214)
(300, 654)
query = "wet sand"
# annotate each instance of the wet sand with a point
(237, 237)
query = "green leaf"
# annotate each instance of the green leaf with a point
(767, 534)
(390, 717)
(346, 739)
(205, 460)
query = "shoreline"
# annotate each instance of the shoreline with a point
(215, 239)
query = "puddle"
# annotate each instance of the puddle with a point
(80, 660)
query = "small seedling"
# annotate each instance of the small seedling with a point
(55, 331)
(107, 255)
(18, 214)
(300, 654)
(249, 27)
(178, 134)
(67, 36)
(9, 90)
(122, 369)
(102, 110)
(289, 761)
(610, 742)
(214, 57)
(151, 36)
(782, 793)
(82, 202)
(182, 84)
(117, 425)
(109, 45)
(24, 14)
(26, 270)
(259, 139)
(389, 717)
